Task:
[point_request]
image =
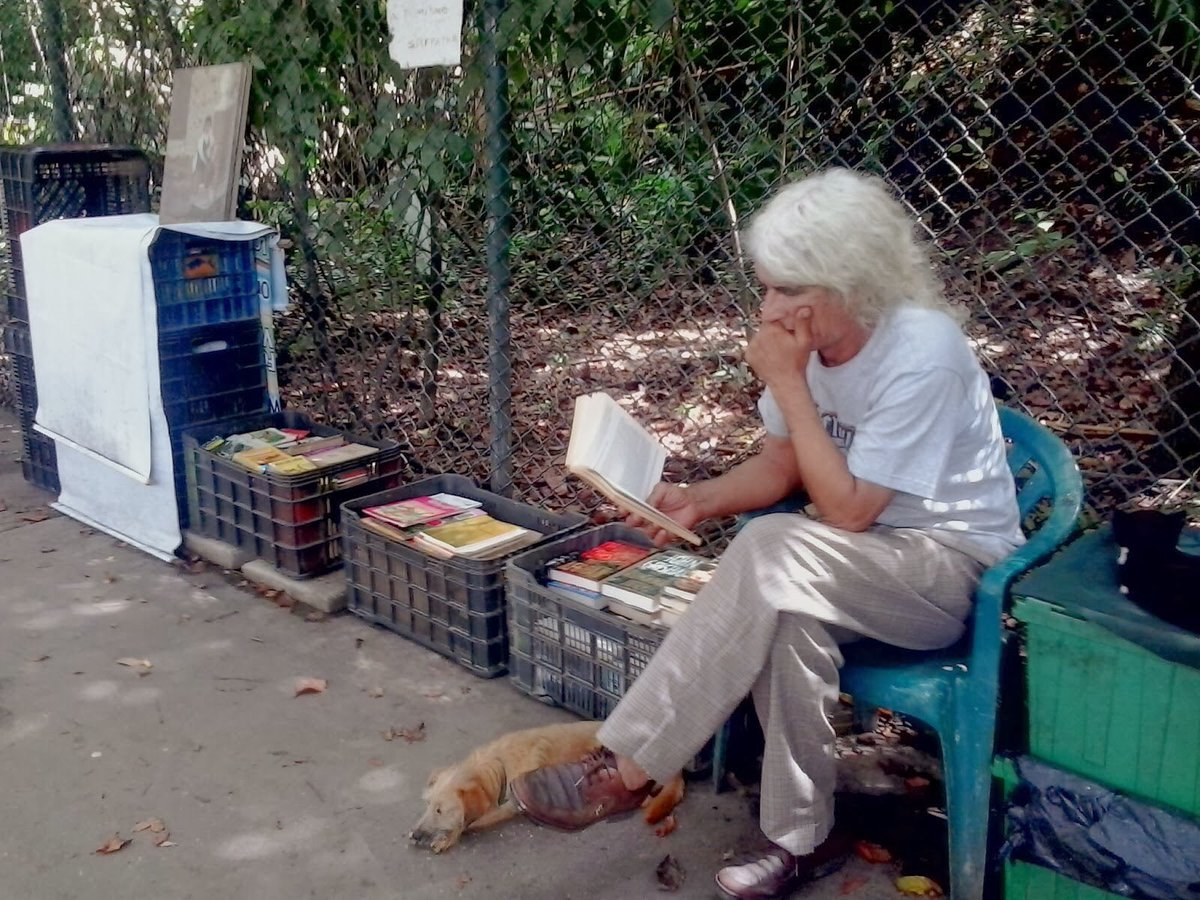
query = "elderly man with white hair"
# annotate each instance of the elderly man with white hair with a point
(877, 409)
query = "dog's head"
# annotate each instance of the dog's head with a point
(453, 801)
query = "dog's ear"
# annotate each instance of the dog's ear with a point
(475, 801)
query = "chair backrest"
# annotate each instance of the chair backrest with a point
(1050, 497)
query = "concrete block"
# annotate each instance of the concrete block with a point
(325, 592)
(219, 553)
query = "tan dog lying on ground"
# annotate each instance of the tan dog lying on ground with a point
(473, 794)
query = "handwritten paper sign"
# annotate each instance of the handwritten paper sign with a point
(425, 32)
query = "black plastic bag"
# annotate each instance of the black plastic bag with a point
(1094, 835)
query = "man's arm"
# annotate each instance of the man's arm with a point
(755, 483)
(841, 499)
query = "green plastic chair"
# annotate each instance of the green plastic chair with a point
(955, 691)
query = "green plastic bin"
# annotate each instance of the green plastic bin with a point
(1110, 710)
(1026, 881)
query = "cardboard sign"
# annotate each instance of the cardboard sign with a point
(425, 32)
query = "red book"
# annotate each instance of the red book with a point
(590, 567)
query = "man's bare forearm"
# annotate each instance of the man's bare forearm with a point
(753, 484)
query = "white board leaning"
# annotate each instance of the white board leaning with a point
(425, 32)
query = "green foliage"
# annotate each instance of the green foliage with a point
(1180, 26)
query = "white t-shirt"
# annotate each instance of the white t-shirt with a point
(913, 411)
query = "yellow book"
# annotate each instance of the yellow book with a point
(293, 465)
(258, 457)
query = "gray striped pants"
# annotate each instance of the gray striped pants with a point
(787, 591)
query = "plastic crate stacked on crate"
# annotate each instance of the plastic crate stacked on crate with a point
(291, 521)
(212, 360)
(564, 652)
(455, 607)
(39, 462)
(39, 184)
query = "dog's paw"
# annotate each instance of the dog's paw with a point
(666, 826)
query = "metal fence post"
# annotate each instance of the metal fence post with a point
(56, 65)
(499, 228)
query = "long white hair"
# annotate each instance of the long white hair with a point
(845, 231)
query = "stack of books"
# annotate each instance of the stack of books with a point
(446, 526)
(646, 586)
(288, 451)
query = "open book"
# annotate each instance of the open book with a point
(619, 458)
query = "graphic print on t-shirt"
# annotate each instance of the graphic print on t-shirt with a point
(842, 435)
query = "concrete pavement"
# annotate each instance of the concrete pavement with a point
(265, 795)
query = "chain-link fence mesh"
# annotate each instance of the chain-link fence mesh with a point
(1050, 149)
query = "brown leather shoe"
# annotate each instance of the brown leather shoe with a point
(574, 795)
(775, 873)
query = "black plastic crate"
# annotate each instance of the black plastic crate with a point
(291, 521)
(39, 464)
(562, 651)
(202, 281)
(63, 181)
(213, 373)
(455, 606)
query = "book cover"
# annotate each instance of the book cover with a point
(588, 568)
(313, 442)
(205, 134)
(332, 456)
(415, 510)
(635, 588)
(687, 586)
(642, 584)
(617, 456)
(256, 458)
(473, 534)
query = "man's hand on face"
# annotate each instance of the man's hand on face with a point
(780, 349)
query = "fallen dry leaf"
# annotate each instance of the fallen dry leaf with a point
(40, 516)
(463, 881)
(411, 735)
(134, 663)
(376, 692)
(155, 825)
(918, 886)
(851, 884)
(164, 840)
(112, 845)
(670, 874)
(42, 658)
(310, 686)
(872, 853)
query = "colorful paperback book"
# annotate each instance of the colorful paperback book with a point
(332, 456)
(643, 583)
(415, 510)
(256, 458)
(473, 534)
(311, 443)
(395, 534)
(271, 437)
(688, 586)
(588, 568)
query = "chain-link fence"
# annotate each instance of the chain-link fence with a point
(1051, 150)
